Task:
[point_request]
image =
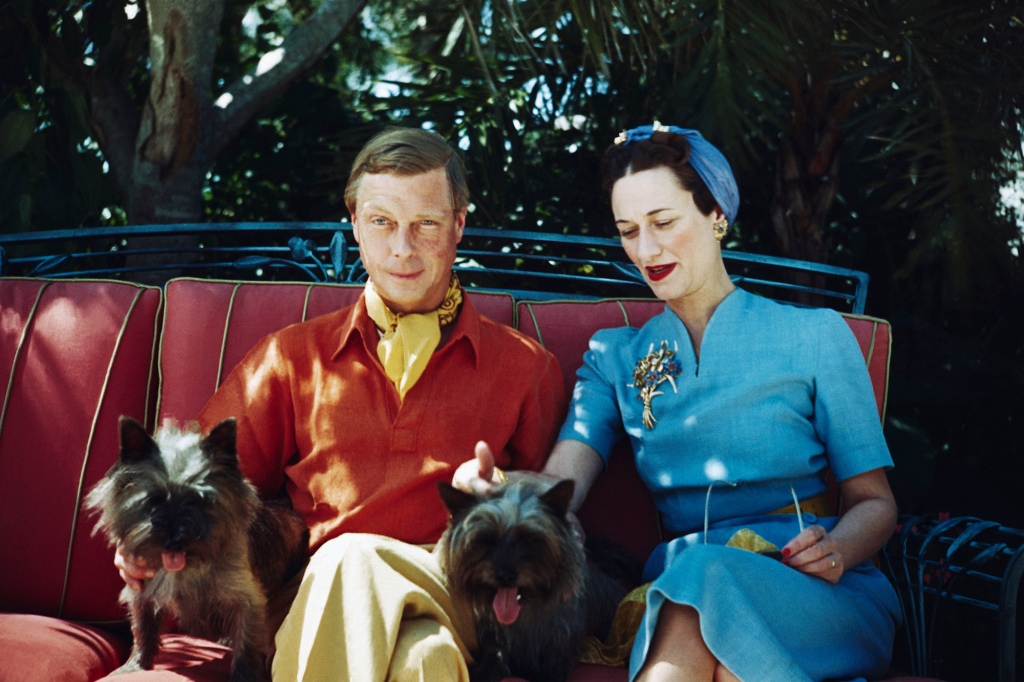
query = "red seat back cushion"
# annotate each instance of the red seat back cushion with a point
(210, 326)
(618, 506)
(74, 357)
(875, 337)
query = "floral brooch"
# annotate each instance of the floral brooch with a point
(659, 366)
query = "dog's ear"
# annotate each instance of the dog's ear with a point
(136, 445)
(219, 444)
(559, 496)
(454, 499)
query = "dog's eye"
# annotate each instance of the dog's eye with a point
(530, 542)
(484, 538)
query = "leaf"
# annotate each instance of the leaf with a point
(15, 131)
(337, 251)
(251, 262)
(301, 248)
(49, 265)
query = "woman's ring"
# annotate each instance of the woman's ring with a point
(832, 558)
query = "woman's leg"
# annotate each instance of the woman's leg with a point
(678, 651)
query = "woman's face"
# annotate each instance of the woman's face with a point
(665, 234)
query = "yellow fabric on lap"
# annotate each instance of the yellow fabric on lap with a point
(747, 539)
(614, 650)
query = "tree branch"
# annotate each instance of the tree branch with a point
(115, 116)
(279, 68)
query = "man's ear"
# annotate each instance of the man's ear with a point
(460, 224)
(355, 227)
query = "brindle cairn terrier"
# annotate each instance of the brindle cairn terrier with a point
(180, 503)
(511, 554)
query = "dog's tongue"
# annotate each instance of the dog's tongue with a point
(173, 561)
(506, 605)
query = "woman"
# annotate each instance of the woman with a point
(736, 406)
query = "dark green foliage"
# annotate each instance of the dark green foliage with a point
(874, 135)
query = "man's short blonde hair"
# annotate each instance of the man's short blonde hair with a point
(408, 151)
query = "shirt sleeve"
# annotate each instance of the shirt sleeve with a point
(594, 417)
(845, 414)
(257, 394)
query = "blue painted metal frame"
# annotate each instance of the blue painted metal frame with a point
(959, 565)
(533, 264)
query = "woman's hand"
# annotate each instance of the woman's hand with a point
(863, 529)
(814, 552)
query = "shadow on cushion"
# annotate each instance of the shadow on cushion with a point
(42, 648)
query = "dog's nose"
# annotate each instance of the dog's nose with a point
(506, 576)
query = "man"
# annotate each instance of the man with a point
(359, 413)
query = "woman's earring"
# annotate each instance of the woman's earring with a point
(720, 228)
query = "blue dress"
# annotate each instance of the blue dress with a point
(780, 395)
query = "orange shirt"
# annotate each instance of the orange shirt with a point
(317, 414)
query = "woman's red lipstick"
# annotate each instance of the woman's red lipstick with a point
(656, 273)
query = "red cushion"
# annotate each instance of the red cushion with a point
(565, 327)
(209, 327)
(618, 506)
(185, 658)
(874, 336)
(41, 648)
(74, 356)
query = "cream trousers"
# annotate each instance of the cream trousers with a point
(369, 609)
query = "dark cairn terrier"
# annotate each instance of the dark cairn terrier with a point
(511, 554)
(180, 503)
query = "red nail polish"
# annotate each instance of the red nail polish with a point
(786, 551)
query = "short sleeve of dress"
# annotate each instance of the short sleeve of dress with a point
(594, 417)
(846, 417)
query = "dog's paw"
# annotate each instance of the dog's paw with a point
(130, 666)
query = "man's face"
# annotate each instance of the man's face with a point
(407, 233)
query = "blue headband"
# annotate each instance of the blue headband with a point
(707, 161)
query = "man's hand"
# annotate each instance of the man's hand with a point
(134, 572)
(479, 474)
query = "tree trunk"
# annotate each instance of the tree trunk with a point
(807, 176)
(172, 146)
(160, 168)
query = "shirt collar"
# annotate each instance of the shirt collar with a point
(466, 328)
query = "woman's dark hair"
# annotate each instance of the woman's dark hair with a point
(662, 149)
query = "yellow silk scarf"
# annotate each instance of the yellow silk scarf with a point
(408, 340)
